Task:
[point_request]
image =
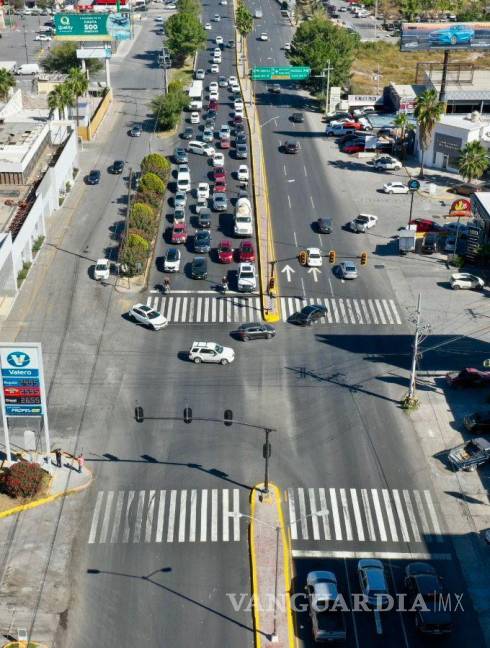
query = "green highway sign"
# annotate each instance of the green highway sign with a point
(285, 72)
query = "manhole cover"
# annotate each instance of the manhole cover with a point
(379, 267)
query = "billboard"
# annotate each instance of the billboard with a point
(451, 36)
(92, 27)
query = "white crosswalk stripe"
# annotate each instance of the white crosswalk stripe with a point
(229, 309)
(173, 516)
(363, 515)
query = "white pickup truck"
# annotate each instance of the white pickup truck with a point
(243, 225)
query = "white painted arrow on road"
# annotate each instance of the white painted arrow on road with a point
(288, 270)
(314, 270)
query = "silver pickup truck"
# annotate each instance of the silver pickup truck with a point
(470, 455)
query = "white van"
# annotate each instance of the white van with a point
(28, 68)
(201, 148)
(258, 13)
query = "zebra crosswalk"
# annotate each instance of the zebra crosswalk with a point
(363, 515)
(194, 309)
(214, 515)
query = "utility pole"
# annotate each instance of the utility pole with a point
(421, 331)
(325, 75)
(267, 454)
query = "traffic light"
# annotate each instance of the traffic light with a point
(272, 283)
(266, 450)
(187, 415)
(139, 415)
(364, 258)
(302, 257)
(332, 256)
(228, 419)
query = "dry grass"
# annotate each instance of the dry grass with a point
(397, 66)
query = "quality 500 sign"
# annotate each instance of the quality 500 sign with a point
(22, 380)
(92, 27)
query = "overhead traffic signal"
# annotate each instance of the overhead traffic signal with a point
(187, 415)
(302, 257)
(139, 414)
(332, 256)
(364, 258)
(228, 419)
(272, 283)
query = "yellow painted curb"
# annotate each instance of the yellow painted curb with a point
(46, 500)
(286, 561)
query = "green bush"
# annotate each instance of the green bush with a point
(141, 233)
(22, 274)
(37, 245)
(135, 252)
(152, 183)
(23, 479)
(157, 164)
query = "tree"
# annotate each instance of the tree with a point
(62, 58)
(143, 217)
(152, 183)
(167, 109)
(428, 111)
(157, 164)
(319, 41)
(473, 161)
(7, 81)
(60, 98)
(410, 9)
(78, 83)
(185, 35)
(244, 20)
(403, 124)
(135, 252)
(188, 6)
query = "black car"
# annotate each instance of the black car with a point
(241, 151)
(291, 147)
(337, 116)
(231, 43)
(93, 177)
(202, 241)
(309, 315)
(199, 268)
(117, 167)
(136, 130)
(211, 114)
(297, 118)
(275, 88)
(478, 423)
(255, 331)
(239, 128)
(429, 244)
(188, 133)
(426, 593)
(181, 156)
(324, 225)
(209, 123)
(241, 138)
(204, 219)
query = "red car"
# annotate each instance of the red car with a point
(469, 378)
(353, 148)
(213, 105)
(246, 252)
(219, 174)
(353, 124)
(237, 119)
(179, 233)
(220, 186)
(224, 143)
(426, 225)
(225, 252)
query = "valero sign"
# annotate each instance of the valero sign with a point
(92, 27)
(461, 208)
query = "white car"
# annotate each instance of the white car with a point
(247, 277)
(102, 270)
(225, 132)
(313, 257)
(347, 270)
(242, 173)
(395, 188)
(194, 117)
(238, 112)
(159, 19)
(466, 281)
(214, 68)
(222, 82)
(183, 181)
(42, 37)
(232, 81)
(287, 46)
(216, 17)
(180, 199)
(218, 160)
(147, 316)
(211, 352)
(235, 88)
(200, 74)
(223, 3)
(363, 222)
(214, 96)
(203, 190)
(238, 104)
(202, 203)
(263, 36)
(201, 148)
(208, 27)
(387, 163)
(217, 51)
(217, 59)
(171, 262)
(219, 40)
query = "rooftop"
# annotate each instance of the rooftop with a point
(19, 134)
(465, 122)
(476, 87)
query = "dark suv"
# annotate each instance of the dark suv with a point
(429, 244)
(199, 269)
(93, 177)
(117, 167)
(255, 331)
(291, 147)
(309, 315)
(204, 219)
(202, 241)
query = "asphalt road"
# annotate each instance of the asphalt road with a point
(162, 550)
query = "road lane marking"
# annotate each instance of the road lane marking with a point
(302, 513)
(183, 312)
(312, 203)
(373, 311)
(292, 514)
(204, 514)
(117, 516)
(171, 516)
(214, 515)
(382, 555)
(193, 516)
(160, 516)
(401, 516)
(379, 515)
(95, 517)
(368, 514)
(395, 311)
(289, 201)
(107, 515)
(357, 514)
(345, 508)
(433, 516)
(377, 622)
(285, 172)
(313, 509)
(182, 516)
(389, 513)
(335, 514)
(149, 516)
(295, 239)
(325, 513)
(411, 515)
(127, 528)
(421, 512)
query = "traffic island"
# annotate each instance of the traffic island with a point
(271, 570)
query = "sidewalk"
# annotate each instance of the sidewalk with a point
(64, 481)
(271, 574)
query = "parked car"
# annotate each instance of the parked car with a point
(180, 199)
(327, 619)
(210, 352)
(181, 156)
(179, 215)
(468, 377)
(467, 189)
(220, 202)
(202, 190)
(241, 151)
(309, 315)
(225, 251)
(255, 331)
(199, 268)
(347, 270)
(424, 587)
(478, 422)
(363, 222)
(188, 133)
(395, 188)
(147, 316)
(353, 148)
(102, 270)
(372, 579)
(171, 261)
(387, 163)
(204, 219)
(243, 173)
(429, 244)
(466, 281)
(136, 130)
(471, 454)
(426, 225)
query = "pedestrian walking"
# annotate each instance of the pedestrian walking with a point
(81, 462)
(58, 457)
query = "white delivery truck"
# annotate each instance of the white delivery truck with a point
(195, 95)
(28, 68)
(406, 239)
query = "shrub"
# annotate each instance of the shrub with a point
(23, 479)
(152, 183)
(142, 217)
(37, 245)
(22, 274)
(134, 252)
(157, 164)
(134, 231)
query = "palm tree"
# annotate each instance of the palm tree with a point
(59, 98)
(428, 111)
(78, 82)
(7, 81)
(68, 97)
(473, 161)
(403, 124)
(244, 21)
